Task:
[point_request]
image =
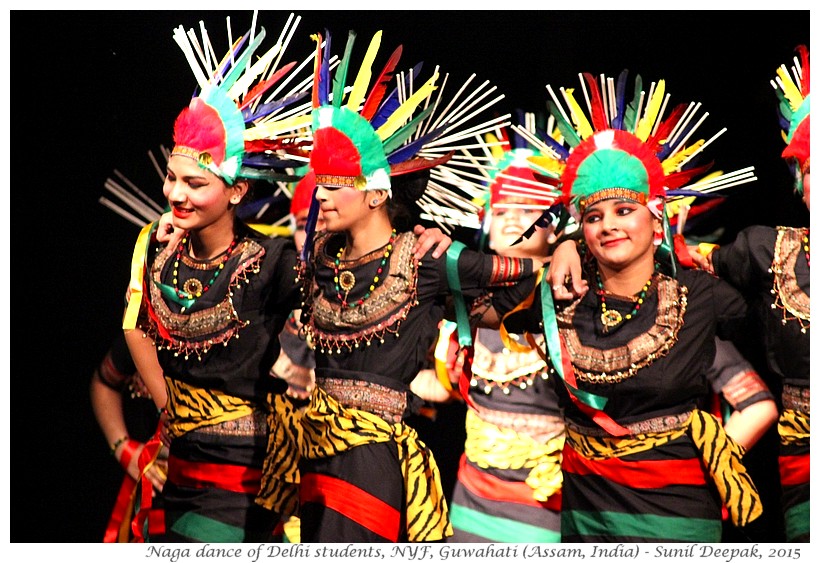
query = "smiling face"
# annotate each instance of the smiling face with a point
(507, 224)
(198, 198)
(620, 233)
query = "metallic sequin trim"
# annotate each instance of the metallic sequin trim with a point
(195, 333)
(788, 295)
(332, 327)
(796, 398)
(255, 424)
(658, 424)
(382, 401)
(593, 365)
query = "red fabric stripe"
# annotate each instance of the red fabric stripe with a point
(492, 488)
(794, 469)
(122, 510)
(352, 503)
(648, 474)
(235, 478)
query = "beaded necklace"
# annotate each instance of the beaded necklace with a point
(345, 280)
(193, 289)
(611, 318)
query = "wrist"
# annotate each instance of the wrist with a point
(117, 443)
(127, 451)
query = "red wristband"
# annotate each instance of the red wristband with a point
(128, 451)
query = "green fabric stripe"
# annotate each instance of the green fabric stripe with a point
(499, 529)
(797, 520)
(581, 523)
(202, 528)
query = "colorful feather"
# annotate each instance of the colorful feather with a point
(365, 71)
(405, 110)
(646, 123)
(341, 72)
(620, 100)
(374, 98)
(596, 103)
(257, 91)
(567, 130)
(577, 114)
(631, 114)
(392, 101)
(320, 95)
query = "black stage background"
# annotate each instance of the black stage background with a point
(96, 90)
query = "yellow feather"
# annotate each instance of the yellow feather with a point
(582, 125)
(496, 150)
(405, 110)
(273, 129)
(647, 122)
(363, 78)
(548, 165)
(673, 207)
(672, 163)
(790, 89)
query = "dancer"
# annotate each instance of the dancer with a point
(371, 309)
(642, 463)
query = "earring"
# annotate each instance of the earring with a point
(374, 202)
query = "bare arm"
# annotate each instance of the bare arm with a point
(145, 358)
(747, 426)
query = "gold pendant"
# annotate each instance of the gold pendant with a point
(193, 287)
(347, 280)
(611, 318)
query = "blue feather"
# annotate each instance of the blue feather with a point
(270, 107)
(391, 102)
(620, 100)
(323, 89)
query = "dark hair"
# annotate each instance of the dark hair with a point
(407, 189)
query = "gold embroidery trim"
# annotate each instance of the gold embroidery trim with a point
(614, 365)
(189, 331)
(788, 295)
(331, 327)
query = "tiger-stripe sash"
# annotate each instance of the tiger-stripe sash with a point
(721, 455)
(330, 429)
(191, 407)
(280, 472)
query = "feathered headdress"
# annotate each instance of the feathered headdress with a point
(792, 89)
(628, 147)
(508, 162)
(624, 147)
(228, 128)
(363, 139)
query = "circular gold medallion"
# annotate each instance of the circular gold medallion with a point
(193, 287)
(347, 280)
(611, 318)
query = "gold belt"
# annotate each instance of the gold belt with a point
(382, 401)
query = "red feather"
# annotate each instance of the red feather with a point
(262, 87)
(376, 94)
(317, 66)
(804, 64)
(598, 115)
(666, 127)
(677, 179)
